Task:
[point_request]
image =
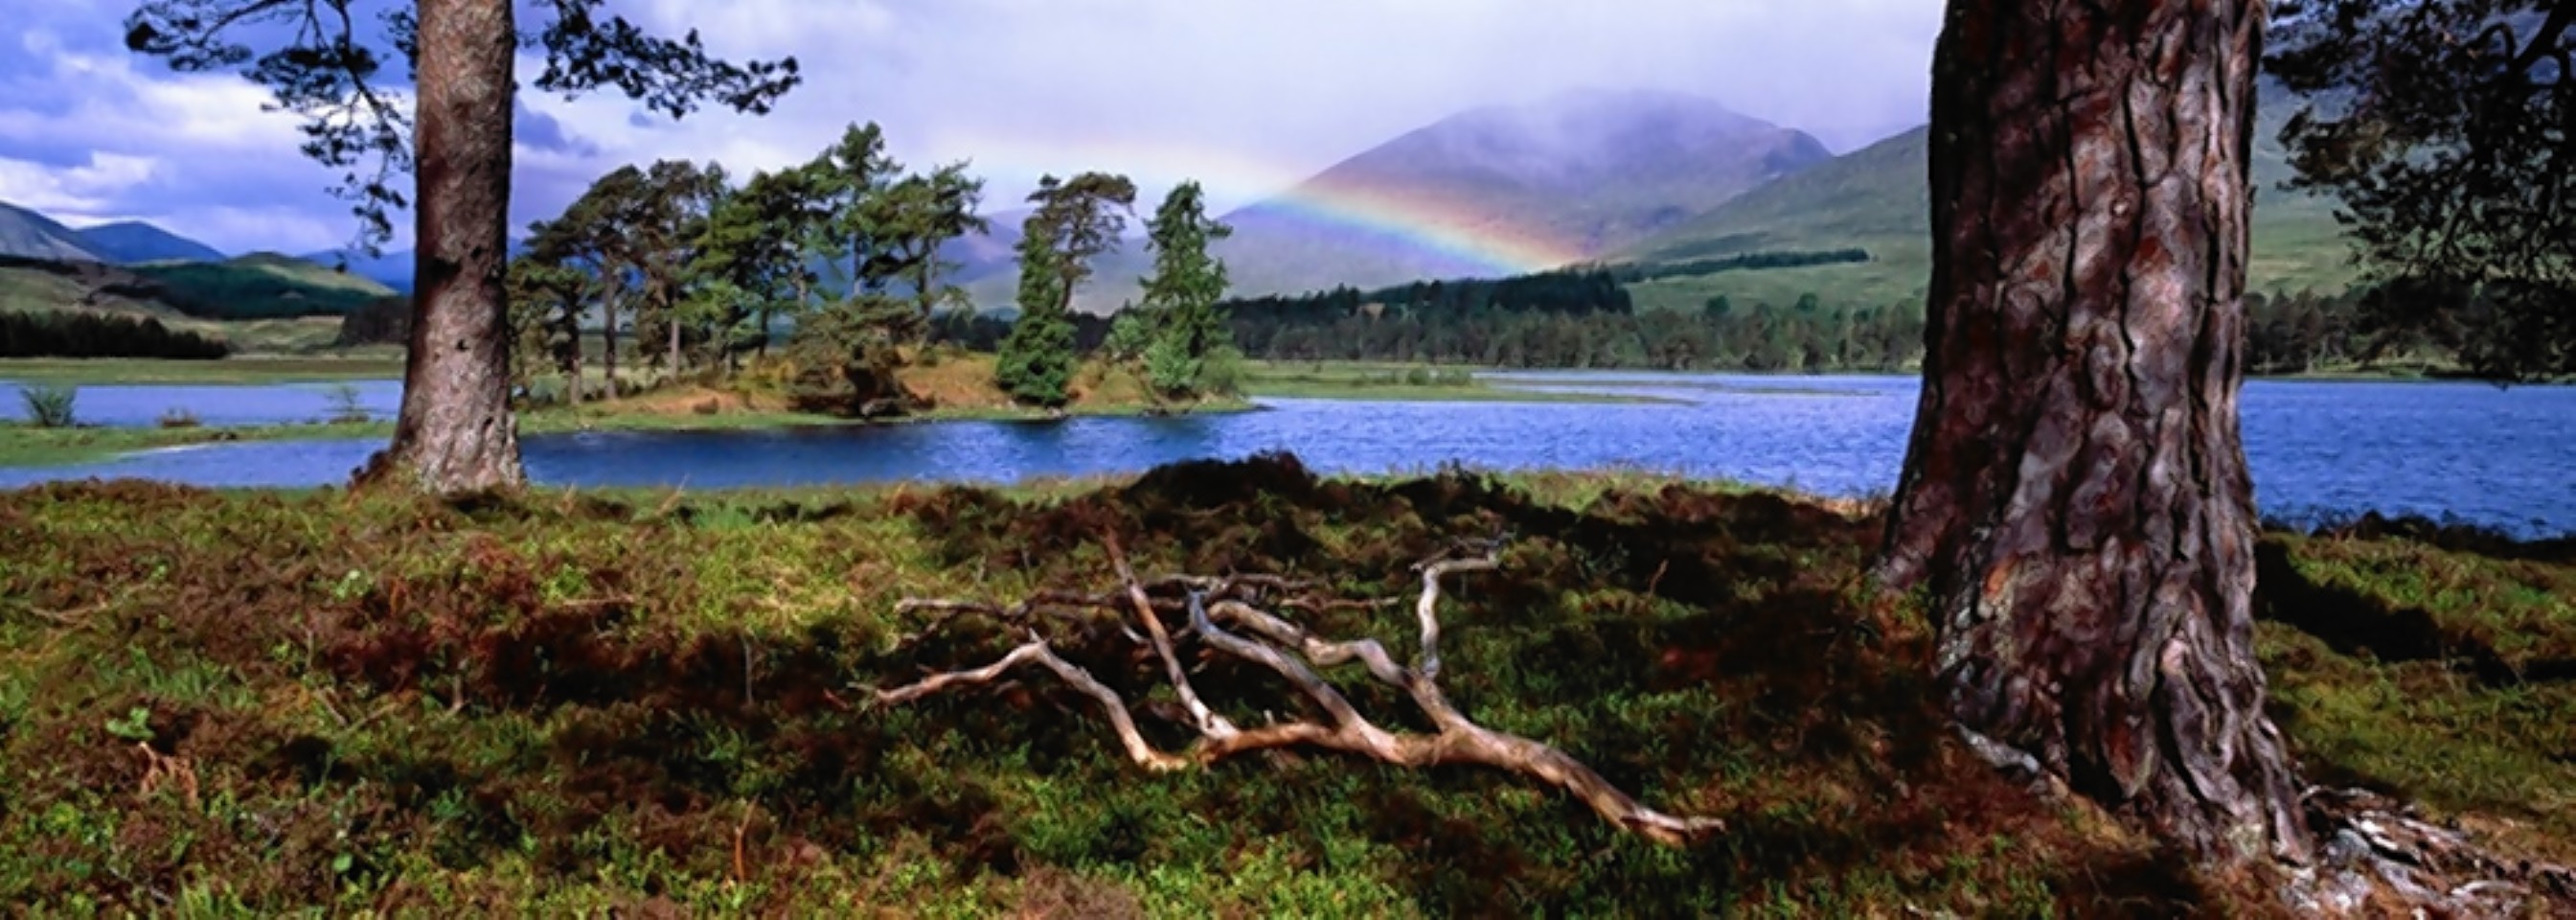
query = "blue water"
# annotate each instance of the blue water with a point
(2464, 451)
(142, 406)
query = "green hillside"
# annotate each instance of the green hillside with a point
(261, 304)
(1878, 199)
(260, 286)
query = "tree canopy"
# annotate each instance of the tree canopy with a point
(331, 70)
(1076, 221)
(2448, 129)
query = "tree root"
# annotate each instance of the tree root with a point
(1223, 616)
(2377, 850)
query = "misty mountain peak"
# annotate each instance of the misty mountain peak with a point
(1582, 138)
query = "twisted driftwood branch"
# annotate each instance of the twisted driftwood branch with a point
(1223, 617)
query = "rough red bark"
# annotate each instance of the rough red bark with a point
(2075, 495)
(455, 432)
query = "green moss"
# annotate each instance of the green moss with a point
(637, 700)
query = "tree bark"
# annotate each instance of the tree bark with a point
(608, 332)
(455, 432)
(671, 317)
(572, 389)
(2075, 497)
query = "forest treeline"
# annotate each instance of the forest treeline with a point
(1574, 318)
(100, 335)
(1583, 318)
(1633, 273)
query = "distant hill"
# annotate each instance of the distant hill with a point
(133, 242)
(260, 286)
(1489, 192)
(392, 270)
(1879, 199)
(27, 234)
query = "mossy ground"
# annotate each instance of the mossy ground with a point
(563, 702)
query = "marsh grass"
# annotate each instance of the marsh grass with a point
(50, 406)
(646, 701)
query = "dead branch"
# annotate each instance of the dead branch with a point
(1037, 652)
(162, 771)
(1427, 609)
(1209, 723)
(1223, 617)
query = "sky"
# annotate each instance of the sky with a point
(1246, 97)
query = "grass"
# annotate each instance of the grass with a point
(1383, 381)
(2437, 665)
(22, 444)
(373, 365)
(644, 702)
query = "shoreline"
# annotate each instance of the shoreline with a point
(29, 447)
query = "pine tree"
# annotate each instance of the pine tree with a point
(1182, 293)
(1076, 221)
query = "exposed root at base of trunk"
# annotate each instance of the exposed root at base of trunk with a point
(1224, 616)
(2377, 850)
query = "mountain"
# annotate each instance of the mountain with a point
(1565, 179)
(1487, 192)
(392, 269)
(1878, 198)
(27, 234)
(131, 242)
(984, 255)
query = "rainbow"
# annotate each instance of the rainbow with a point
(1419, 223)
(1428, 225)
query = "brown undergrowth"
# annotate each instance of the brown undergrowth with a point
(558, 702)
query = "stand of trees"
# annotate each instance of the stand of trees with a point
(703, 270)
(100, 335)
(1576, 318)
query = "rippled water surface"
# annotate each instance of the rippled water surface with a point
(2468, 451)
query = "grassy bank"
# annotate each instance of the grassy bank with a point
(361, 365)
(959, 384)
(652, 703)
(1408, 382)
(25, 445)
(953, 388)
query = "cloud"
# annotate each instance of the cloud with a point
(539, 131)
(1246, 97)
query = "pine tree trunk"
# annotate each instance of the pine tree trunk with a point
(671, 318)
(455, 432)
(608, 334)
(2075, 495)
